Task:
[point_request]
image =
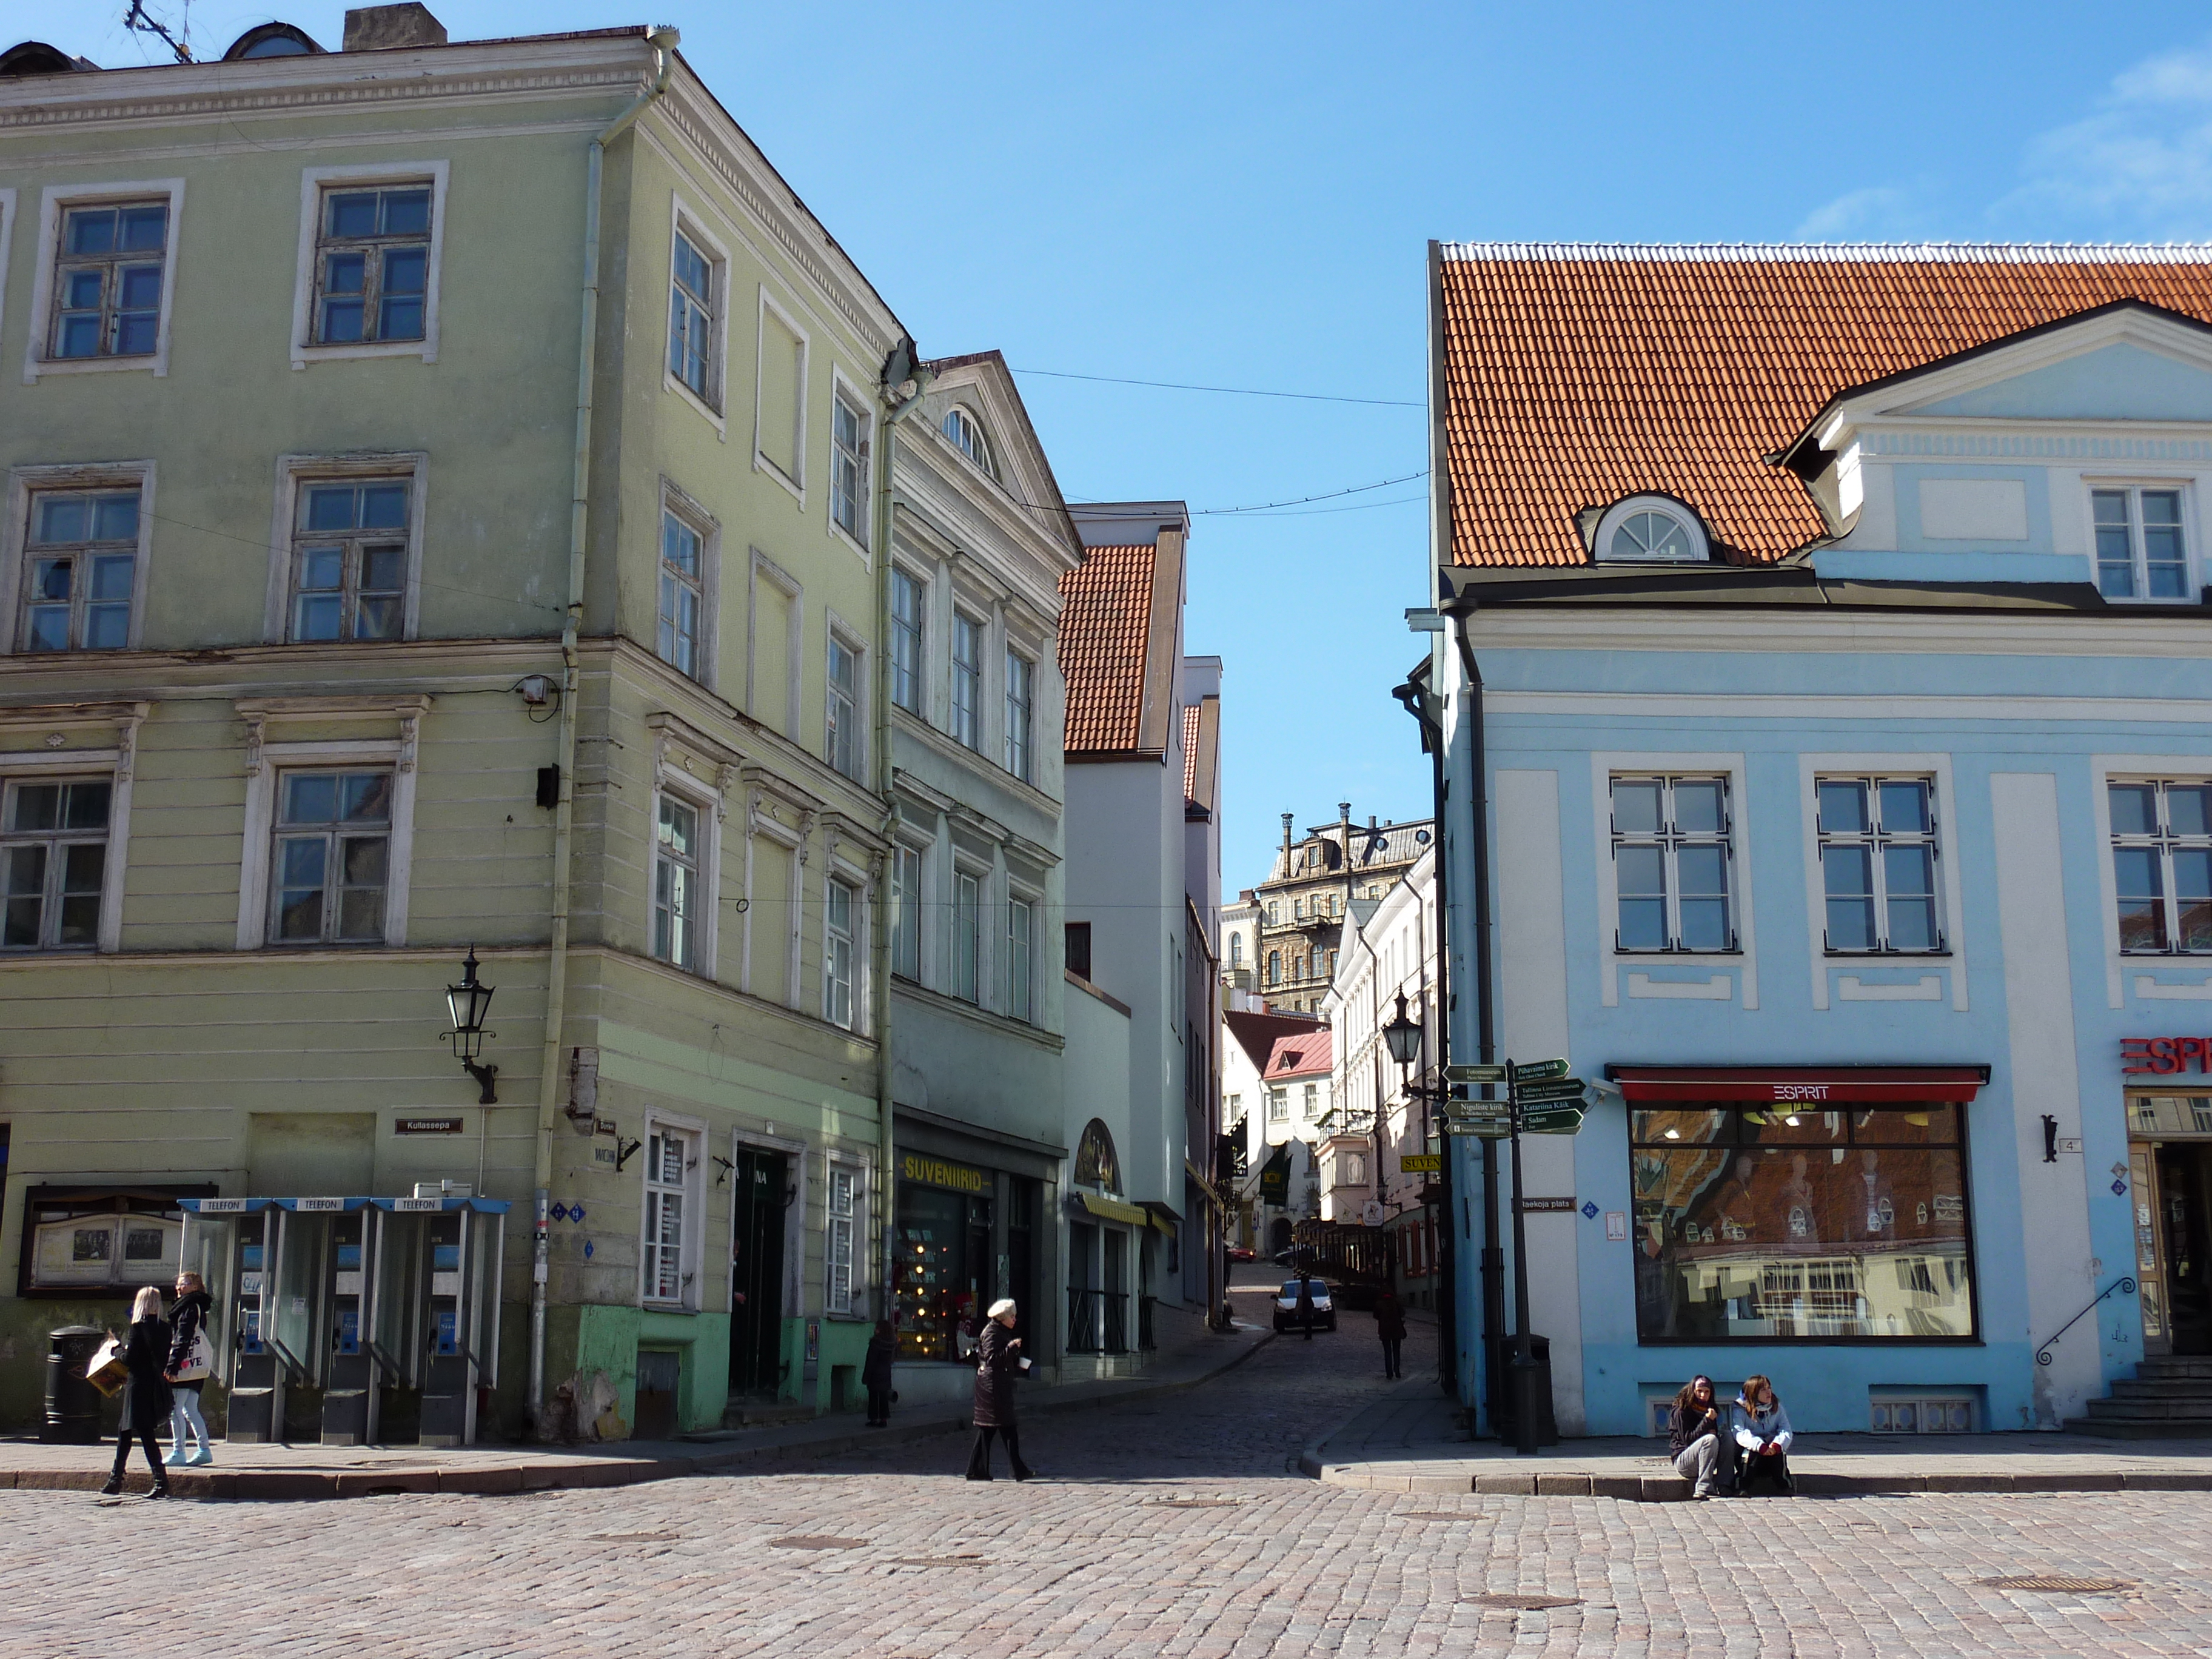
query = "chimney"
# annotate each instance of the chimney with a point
(379, 28)
(1286, 841)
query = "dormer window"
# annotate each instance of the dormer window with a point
(1651, 530)
(967, 434)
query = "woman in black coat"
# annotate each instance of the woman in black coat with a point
(876, 1373)
(998, 1363)
(146, 1396)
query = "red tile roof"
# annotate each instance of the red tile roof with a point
(1300, 1055)
(1190, 752)
(1104, 624)
(1577, 374)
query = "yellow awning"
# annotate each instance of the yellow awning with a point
(1113, 1209)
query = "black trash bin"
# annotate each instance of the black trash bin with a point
(72, 1403)
(1502, 1417)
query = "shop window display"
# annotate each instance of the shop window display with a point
(942, 1277)
(1776, 1223)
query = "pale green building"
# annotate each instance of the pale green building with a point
(295, 520)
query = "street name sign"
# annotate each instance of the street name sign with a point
(1552, 1121)
(1537, 1070)
(1558, 1088)
(1486, 1128)
(1474, 1073)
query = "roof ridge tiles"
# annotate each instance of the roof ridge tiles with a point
(2091, 253)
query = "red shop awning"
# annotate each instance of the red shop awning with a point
(1860, 1086)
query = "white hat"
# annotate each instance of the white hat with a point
(1004, 1304)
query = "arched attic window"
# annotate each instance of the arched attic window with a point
(968, 436)
(272, 40)
(1651, 530)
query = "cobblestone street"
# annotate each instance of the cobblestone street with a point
(1172, 1526)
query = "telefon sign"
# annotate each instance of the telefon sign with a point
(2164, 1056)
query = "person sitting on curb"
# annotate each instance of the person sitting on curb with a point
(1762, 1431)
(1695, 1437)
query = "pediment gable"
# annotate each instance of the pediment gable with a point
(984, 387)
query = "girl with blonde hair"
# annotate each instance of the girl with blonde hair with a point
(146, 1396)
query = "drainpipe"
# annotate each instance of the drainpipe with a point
(905, 379)
(662, 41)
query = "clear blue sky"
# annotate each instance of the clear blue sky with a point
(1240, 195)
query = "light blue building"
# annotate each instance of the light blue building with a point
(1821, 635)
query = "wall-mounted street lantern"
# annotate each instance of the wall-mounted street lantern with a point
(468, 1003)
(1403, 1035)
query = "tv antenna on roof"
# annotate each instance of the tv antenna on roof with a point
(137, 18)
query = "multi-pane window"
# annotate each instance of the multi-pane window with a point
(1313, 1101)
(966, 935)
(667, 1162)
(83, 558)
(691, 318)
(905, 911)
(1670, 853)
(681, 566)
(349, 560)
(107, 283)
(53, 863)
(842, 740)
(1279, 1106)
(1021, 920)
(967, 680)
(331, 858)
(848, 467)
(373, 265)
(837, 952)
(906, 641)
(837, 1247)
(1878, 863)
(1274, 967)
(967, 434)
(676, 884)
(2140, 553)
(1021, 696)
(2162, 864)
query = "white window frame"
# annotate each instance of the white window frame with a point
(840, 633)
(294, 472)
(1026, 771)
(903, 897)
(961, 917)
(312, 182)
(1814, 767)
(1022, 986)
(974, 740)
(762, 461)
(26, 482)
(844, 390)
(852, 1220)
(708, 529)
(7, 242)
(116, 763)
(1666, 506)
(1279, 1105)
(2192, 571)
(1875, 839)
(688, 1247)
(54, 200)
(701, 798)
(919, 637)
(2181, 773)
(1604, 765)
(686, 220)
(767, 569)
(856, 942)
(399, 754)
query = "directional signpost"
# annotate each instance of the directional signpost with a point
(1475, 1074)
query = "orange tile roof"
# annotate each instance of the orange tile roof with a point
(1301, 1053)
(1577, 375)
(1190, 752)
(1104, 622)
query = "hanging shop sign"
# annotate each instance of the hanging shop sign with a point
(936, 1172)
(1275, 1178)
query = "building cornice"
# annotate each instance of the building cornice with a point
(1527, 625)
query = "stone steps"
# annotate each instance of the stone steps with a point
(2170, 1396)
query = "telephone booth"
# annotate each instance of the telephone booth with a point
(434, 1306)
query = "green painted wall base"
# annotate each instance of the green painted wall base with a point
(591, 1352)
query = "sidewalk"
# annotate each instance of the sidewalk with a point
(306, 1472)
(1406, 1440)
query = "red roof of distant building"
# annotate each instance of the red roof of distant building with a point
(1104, 629)
(1576, 375)
(1301, 1054)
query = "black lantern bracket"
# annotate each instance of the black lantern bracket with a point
(467, 1004)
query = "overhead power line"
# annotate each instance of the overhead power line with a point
(1226, 390)
(1300, 501)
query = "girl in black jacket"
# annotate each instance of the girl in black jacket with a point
(998, 1363)
(146, 1396)
(188, 1319)
(876, 1373)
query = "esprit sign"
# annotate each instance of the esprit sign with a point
(2165, 1056)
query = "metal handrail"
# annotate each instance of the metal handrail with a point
(2125, 1284)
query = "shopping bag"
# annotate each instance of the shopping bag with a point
(105, 1370)
(200, 1364)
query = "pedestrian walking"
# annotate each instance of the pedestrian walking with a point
(1695, 1438)
(1305, 1308)
(146, 1395)
(998, 1362)
(191, 1359)
(1391, 1326)
(876, 1373)
(1762, 1431)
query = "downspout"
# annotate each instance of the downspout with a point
(662, 41)
(902, 370)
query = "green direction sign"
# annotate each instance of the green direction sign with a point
(1468, 1110)
(1485, 1128)
(1552, 1121)
(1474, 1073)
(1537, 1070)
(1558, 1088)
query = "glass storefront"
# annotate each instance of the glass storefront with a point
(2170, 1183)
(942, 1276)
(1781, 1222)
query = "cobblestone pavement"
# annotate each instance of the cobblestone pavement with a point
(1167, 1528)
